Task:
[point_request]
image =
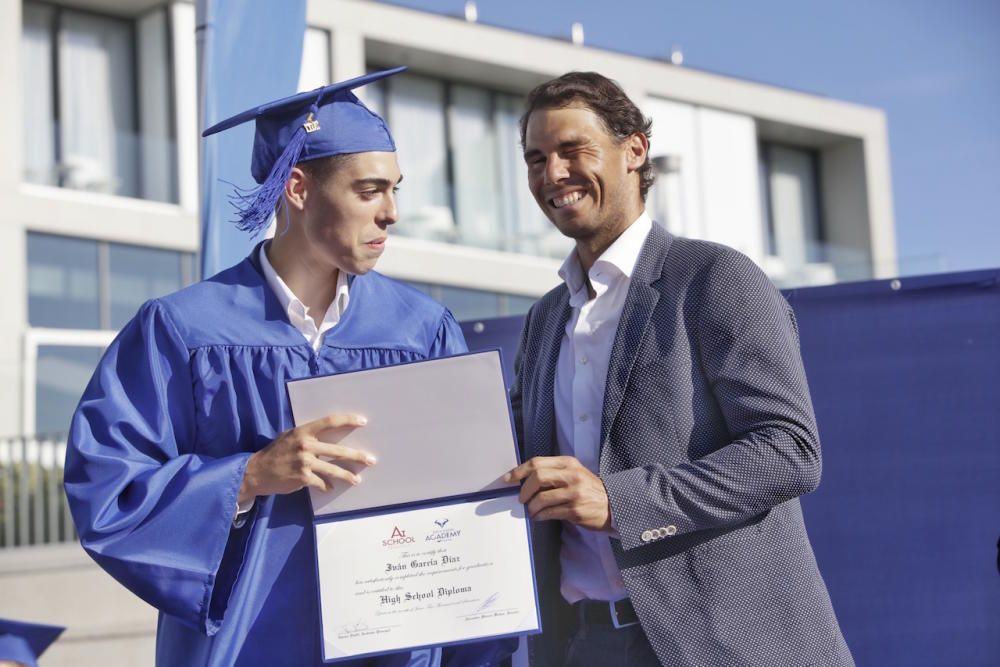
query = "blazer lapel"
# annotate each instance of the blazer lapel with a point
(636, 313)
(543, 441)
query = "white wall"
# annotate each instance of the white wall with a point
(715, 195)
(730, 187)
(675, 133)
(794, 208)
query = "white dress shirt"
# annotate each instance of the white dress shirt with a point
(589, 570)
(298, 315)
(298, 312)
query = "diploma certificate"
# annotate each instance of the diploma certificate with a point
(435, 575)
(433, 547)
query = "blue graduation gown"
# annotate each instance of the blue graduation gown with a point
(191, 387)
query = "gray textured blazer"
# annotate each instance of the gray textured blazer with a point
(707, 440)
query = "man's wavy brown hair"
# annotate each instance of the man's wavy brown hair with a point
(620, 116)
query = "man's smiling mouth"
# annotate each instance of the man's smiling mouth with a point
(567, 199)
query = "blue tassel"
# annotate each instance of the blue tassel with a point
(255, 205)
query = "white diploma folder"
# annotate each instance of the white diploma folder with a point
(439, 428)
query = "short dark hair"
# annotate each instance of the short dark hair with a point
(322, 168)
(620, 116)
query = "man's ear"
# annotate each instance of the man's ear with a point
(636, 149)
(296, 188)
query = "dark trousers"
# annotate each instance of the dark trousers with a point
(607, 646)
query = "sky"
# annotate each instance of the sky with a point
(932, 66)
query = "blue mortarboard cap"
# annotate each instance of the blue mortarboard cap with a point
(319, 123)
(24, 642)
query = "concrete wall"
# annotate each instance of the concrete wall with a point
(61, 585)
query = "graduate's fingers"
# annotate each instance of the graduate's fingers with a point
(333, 452)
(316, 482)
(317, 426)
(332, 473)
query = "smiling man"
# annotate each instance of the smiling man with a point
(665, 420)
(186, 477)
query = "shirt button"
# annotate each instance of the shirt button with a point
(583, 360)
(584, 417)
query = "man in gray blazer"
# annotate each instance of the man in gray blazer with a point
(665, 422)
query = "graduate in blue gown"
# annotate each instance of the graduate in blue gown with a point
(185, 474)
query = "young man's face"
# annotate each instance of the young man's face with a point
(347, 215)
(582, 177)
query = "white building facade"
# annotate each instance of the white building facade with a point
(100, 177)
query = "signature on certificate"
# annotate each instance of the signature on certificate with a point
(488, 602)
(356, 626)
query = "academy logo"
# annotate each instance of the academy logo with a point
(397, 538)
(442, 533)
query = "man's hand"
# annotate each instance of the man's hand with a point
(297, 458)
(560, 487)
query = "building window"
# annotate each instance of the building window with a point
(98, 104)
(63, 282)
(472, 304)
(465, 181)
(58, 366)
(791, 205)
(84, 284)
(80, 292)
(62, 373)
(137, 274)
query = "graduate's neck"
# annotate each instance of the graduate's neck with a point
(312, 280)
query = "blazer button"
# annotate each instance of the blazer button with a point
(670, 530)
(647, 535)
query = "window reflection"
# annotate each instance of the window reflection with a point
(465, 181)
(97, 108)
(139, 274)
(62, 373)
(84, 284)
(471, 304)
(63, 282)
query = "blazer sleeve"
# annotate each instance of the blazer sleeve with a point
(747, 347)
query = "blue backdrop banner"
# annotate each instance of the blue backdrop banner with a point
(251, 54)
(904, 378)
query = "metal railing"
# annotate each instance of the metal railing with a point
(33, 508)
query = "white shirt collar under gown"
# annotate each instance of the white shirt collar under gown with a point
(589, 570)
(298, 312)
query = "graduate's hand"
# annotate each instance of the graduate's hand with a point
(297, 459)
(562, 488)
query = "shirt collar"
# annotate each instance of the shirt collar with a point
(292, 305)
(617, 261)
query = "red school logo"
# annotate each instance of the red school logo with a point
(397, 538)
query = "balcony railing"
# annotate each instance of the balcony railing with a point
(33, 507)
